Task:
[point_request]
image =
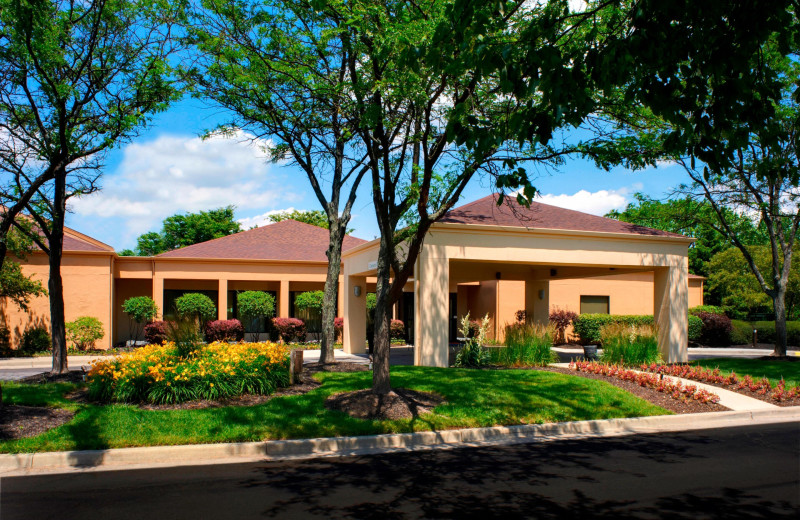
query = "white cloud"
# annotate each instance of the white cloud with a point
(597, 203)
(262, 219)
(178, 173)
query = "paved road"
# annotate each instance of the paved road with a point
(746, 472)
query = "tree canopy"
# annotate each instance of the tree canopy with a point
(185, 229)
(314, 217)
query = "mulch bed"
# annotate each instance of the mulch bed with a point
(399, 403)
(17, 422)
(648, 394)
(73, 376)
(335, 367)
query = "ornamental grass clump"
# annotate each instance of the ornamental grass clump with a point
(473, 354)
(629, 344)
(527, 344)
(159, 374)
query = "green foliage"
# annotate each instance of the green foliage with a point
(625, 344)
(185, 333)
(372, 302)
(183, 230)
(713, 309)
(766, 332)
(526, 345)
(197, 306)
(255, 304)
(35, 339)
(741, 295)
(695, 328)
(163, 374)
(310, 300)
(472, 353)
(587, 326)
(17, 287)
(741, 332)
(693, 219)
(84, 332)
(141, 309)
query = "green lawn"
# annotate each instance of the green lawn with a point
(756, 368)
(474, 398)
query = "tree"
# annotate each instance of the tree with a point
(197, 306)
(141, 310)
(740, 293)
(314, 217)
(76, 78)
(694, 219)
(185, 229)
(255, 305)
(14, 285)
(84, 332)
(310, 300)
(282, 68)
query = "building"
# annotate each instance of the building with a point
(480, 259)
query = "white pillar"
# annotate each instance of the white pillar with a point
(671, 306)
(355, 315)
(432, 302)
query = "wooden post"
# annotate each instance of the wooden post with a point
(295, 365)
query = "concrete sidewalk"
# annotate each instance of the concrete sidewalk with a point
(14, 369)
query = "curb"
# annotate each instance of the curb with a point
(139, 458)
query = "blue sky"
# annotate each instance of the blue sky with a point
(168, 169)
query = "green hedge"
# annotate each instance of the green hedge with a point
(742, 333)
(713, 309)
(587, 326)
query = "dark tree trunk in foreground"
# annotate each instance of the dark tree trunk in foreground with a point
(55, 239)
(779, 303)
(381, 349)
(334, 253)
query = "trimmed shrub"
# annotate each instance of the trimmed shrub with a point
(159, 374)
(527, 344)
(35, 339)
(766, 332)
(561, 319)
(695, 328)
(713, 309)
(290, 329)
(397, 329)
(338, 326)
(742, 333)
(310, 300)
(224, 330)
(629, 345)
(84, 332)
(197, 306)
(140, 309)
(587, 326)
(716, 328)
(155, 333)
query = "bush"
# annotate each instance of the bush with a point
(629, 344)
(5, 342)
(397, 329)
(587, 326)
(472, 354)
(521, 316)
(84, 332)
(561, 319)
(290, 329)
(141, 309)
(695, 328)
(713, 309)
(309, 300)
(197, 306)
(35, 339)
(185, 334)
(716, 328)
(338, 327)
(255, 305)
(159, 374)
(155, 333)
(741, 333)
(224, 330)
(527, 344)
(766, 332)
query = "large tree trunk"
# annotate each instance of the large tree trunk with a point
(381, 383)
(779, 303)
(55, 285)
(334, 254)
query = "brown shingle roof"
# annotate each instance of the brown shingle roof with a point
(285, 240)
(74, 241)
(485, 211)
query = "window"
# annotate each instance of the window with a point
(594, 305)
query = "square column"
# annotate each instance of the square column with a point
(671, 307)
(432, 308)
(222, 300)
(537, 300)
(158, 296)
(283, 300)
(354, 334)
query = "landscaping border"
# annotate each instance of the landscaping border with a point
(186, 455)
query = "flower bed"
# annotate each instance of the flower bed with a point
(158, 374)
(676, 390)
(761, 387)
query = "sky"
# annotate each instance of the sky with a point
(170, 169)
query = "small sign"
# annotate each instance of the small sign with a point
(372, 265)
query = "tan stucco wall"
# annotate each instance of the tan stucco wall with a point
(87, 292)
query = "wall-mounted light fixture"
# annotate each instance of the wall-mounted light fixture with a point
(357, 290)
(497, 275)
(553, 272)
(541, 294)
